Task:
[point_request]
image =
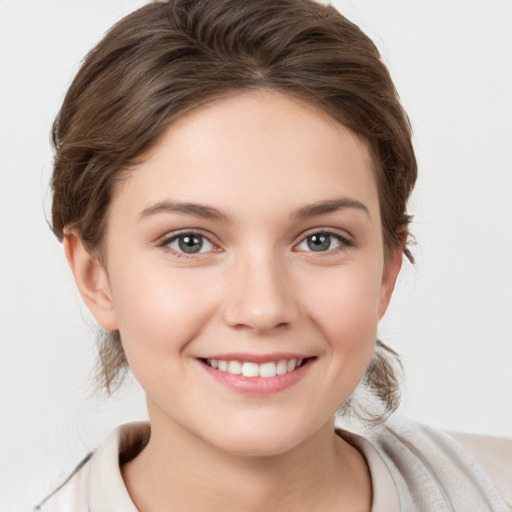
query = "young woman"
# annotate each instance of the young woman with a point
(230, 186)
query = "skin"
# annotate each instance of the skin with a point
(259, 159)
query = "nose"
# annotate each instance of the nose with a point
(260, 296)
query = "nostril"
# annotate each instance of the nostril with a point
(258, 323)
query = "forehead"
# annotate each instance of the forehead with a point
(254, 146)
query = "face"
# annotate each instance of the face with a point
(245, 272)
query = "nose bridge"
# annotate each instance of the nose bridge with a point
(260, 295)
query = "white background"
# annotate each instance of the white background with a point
(450, 318)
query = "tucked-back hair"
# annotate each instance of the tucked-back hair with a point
(170, 57)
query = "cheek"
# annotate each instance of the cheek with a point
(345, 296)
(345, 307)
(159, 311)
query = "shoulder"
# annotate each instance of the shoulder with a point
(469, 472)
(494, 454)
(96, 484)
(72, 493)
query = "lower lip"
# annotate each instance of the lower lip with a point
(259, 385)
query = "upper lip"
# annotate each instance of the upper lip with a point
(258, 358)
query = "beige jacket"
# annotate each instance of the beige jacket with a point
(414, 468)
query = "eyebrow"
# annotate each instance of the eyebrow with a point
(194, 209)
(333, 205)
(211, 213)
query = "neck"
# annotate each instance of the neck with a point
(178, 471)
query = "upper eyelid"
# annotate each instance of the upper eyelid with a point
(342, 234)
(172, 235)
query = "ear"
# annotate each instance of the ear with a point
(91, 279)
(392, 266)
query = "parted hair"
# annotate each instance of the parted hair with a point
(172, 56)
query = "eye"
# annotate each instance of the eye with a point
(322, 241)
(189, 243)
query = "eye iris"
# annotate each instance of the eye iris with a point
(319, 242)
(190, 243)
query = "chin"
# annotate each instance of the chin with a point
(269, 446)
(261, 441)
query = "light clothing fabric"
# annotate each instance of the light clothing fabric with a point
(413, 467)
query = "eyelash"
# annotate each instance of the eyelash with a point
(168, 240)
(344, 242)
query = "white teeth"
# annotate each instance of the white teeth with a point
(235, 367)
(251, 370)
(266, 370)
(291, 365)
(281, 367)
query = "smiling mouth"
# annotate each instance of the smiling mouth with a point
(250, 369)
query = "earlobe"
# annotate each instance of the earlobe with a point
(392, 267)
(91, 279)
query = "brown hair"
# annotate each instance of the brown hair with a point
(171, 56)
